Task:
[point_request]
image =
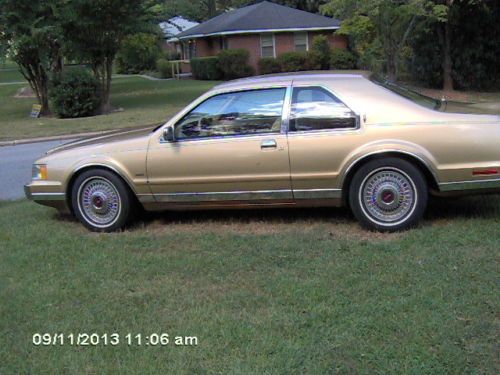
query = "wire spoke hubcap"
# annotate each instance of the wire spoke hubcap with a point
(388, 195)
(99, 201)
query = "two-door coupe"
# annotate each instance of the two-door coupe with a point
(309, 139)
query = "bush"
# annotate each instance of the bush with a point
(269, 65)
(138, 53)
(206, 68)
(164, 67)
(296, 61)
(321, 51)
(233, 63)
(74, 94)
(342, 59)
(171, 55)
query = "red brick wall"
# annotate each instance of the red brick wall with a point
(283, 43)
(251, 42)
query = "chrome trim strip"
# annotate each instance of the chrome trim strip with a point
(241, 195)
(146, 198)
(317, 193)
(210, 94)
(466, 185)
(48, 196)
(224, 196)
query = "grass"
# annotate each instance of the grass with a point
(265, 292)
(143, 102)
(10, 75)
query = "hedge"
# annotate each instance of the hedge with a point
(233, 63)
(297, 61)
(342, 59)
(269, 65)
(206, 68)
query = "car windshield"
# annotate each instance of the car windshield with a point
(414, 96)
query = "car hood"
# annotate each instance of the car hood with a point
(108, 138)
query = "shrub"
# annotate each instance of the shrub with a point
(233, 63)
(138, 53)
(269, 65)
(342, 59)
(74, 94)
(321, 51)
(171, 55)
(296, 61)
(164, 67)
(206, 68)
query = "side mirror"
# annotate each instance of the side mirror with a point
(168, 134)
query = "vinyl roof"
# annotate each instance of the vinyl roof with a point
(261, 17)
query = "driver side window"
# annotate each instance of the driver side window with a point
(236, 113)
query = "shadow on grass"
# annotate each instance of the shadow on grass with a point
(278, 219)
(486, 206)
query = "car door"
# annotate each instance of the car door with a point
(231, 147)
(322, 131)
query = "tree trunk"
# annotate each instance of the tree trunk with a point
(107, 71)
(447, 78)
(37, 79)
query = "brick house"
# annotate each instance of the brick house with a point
(265, 29)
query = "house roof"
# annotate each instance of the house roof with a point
(176, 25)
(261, 17)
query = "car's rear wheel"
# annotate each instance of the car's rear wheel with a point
(101, 200)
(388, 194)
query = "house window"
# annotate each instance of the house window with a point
(223, 43)
(267, 45)
(188, 50)
(300, 41)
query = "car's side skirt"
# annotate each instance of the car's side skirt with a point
(242, 197)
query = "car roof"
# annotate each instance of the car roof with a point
(287, 78)
(377, 103)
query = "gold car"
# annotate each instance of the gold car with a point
(284, 140)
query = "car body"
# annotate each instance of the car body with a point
(280, 140)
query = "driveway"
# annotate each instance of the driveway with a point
(15, 166)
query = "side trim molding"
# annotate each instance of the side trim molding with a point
(317, 193)
(219, 196)
(284, 194)
(468, 185)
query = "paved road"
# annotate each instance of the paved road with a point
(15, 166)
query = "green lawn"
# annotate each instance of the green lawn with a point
(143, 102)
(265, 292)
(10, 75)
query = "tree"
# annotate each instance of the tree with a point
(29, 32)
(94, 30)
(377, 28)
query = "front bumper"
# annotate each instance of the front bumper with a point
(47, 193)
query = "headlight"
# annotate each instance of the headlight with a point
(39, 172)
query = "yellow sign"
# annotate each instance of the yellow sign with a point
(35, 110)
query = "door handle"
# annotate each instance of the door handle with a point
(268, 143)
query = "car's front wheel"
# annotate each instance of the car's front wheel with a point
(101, 200)
(388, 194)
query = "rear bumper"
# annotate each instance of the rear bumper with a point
(47, 193)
